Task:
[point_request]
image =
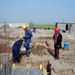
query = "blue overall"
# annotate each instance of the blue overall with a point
(34, 29)
(16, 49)
(28, 35)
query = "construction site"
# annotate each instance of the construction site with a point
(41, 60)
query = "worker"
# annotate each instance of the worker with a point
(57, 42)
(34, 29)
(28, 36)
(16, 50)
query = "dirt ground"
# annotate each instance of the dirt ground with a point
(39, 50)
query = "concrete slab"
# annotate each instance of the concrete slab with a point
(26, 71)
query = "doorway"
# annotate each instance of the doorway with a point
(66, 26)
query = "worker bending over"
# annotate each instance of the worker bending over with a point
(28, 36)
(16, 50)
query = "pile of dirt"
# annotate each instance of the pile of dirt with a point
(4, 48)
(38, 50)
(8, 38)
(67, 56)
(46, 38)
(39, 46)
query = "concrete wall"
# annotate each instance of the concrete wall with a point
(63, 26)
(73, 27)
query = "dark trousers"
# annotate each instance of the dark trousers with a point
(56, 53)
(16, 56)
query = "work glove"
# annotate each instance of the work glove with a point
(26, 37)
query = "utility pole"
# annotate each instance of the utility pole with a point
(5, 45)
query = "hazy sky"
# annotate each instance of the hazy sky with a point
(37, 11)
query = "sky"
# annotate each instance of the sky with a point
(37, 11)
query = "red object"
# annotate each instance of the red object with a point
(57, 54)
(56, 29)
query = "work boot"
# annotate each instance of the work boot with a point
(28, 53)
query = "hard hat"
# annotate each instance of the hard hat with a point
(24, 27)
(56, 29)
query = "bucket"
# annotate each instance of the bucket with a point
(66, 44)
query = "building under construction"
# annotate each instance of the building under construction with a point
(70, 27)
(6, 67)
(41, 60)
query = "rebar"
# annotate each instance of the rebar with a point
(6, 67)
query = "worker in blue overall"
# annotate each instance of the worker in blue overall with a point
(16, 50)
(34, 29)
(28, 36)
